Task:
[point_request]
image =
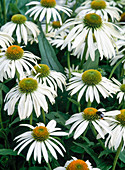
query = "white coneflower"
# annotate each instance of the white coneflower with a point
(117, 127)
(49, 77)
(88, 116)
(77, 164)
(95, 33)
(5, 40)
(91, 83)
(30, 95)
(99, 7)
(59, 39)
(120, 90)
(13, 59)
(47, 8)
(119, 3)
(41, 139)
(73, 68)
(24, 29)
(120, 54)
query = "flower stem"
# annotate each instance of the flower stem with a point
(68, 63)
(89, 103)
(18, 76)
(95, 133)
(4, 11)
(44, 118)
(1, 120)
(46, 27)
(117, 155)
(83, 57)
(31, 119)
(49, 166)
(115, 67)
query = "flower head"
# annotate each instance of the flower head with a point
(25, 30)
(13, 59)
(42, 141)
(45, 75)
(90, 82)
(120, 87)
(5, 40)
(88, 116)
(29, 94)
(47, 8)
(100, 7)
(91, 33)
(77, 164)
(117, 126)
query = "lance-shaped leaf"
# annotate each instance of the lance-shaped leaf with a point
(48, 55)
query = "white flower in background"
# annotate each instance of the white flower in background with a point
(52, 28)
(120, 90)
(30, 95)
(120, 55)
(77, 164)
(117, 127)
(99, 7)
(59, 39)
(70, 3)
(48, 9)
(88, 116)
(14, 59)
(23, 28)
(120, 52)
(41, 139)
(96, 33)
(72, 69)
(49, 77)
(91, 83)
(5, 40)
(118, 3)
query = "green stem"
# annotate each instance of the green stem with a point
(49, 166)
(18, 76)
(117, 155)
(95, 133)
(44, 118)
(4, 11)
(1, 120)
(68, 63)
(83, 58)
(115, 67)
(46, 27)
(16, 2)
(89, 103)
(31, 119)
(66, 2)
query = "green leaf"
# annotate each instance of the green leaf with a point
(8, 152)
(122, 156)
(106, 152)
(77, 149)
(15, 121)
(36, 168)
(59, 117)
(87, 141)
(7, 4)
(89, 64)
(48, 55)
(1, 98)
(5, 88)
(22, 6)
(88, 150)
(74, 102)
(103, 165)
